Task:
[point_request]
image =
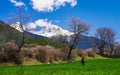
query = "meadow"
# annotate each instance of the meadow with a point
(92, 67)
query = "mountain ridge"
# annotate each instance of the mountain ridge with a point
(44, 31)
(85, 43)
(8, 33)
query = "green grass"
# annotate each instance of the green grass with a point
(92, 67)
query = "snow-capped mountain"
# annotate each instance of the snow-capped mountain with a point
(47, 31)
(18, 27)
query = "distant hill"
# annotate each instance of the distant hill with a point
(87, 42)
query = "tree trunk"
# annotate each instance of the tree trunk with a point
(69, 53)
(22, 42)
(71, 47)
(111, 49)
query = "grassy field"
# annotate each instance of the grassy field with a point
(92, 67)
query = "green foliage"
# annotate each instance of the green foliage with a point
(92, 67)
(45, 41)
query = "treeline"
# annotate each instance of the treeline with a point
(45, 41)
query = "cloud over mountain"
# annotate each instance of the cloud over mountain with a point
(43, 27)
(46, 28)
(41, 23)
(50, 5)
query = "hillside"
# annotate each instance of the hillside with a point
(53, 31)
(7, 33)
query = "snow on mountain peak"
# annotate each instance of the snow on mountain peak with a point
(44, 28)
(48, 29)
(17, 26)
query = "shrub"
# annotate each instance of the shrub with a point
(79, 52)
(32, 45)
(56, 55)
(18, 59)
(26, 52)
(11, 50)
(91, 53)
(51, 54)
(42, 54)
(62, 54)
(9, 53)
(84, 54)
(74, 54)
(2, 54)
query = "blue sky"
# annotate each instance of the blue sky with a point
(98, 13)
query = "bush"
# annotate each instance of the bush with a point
(44, 55)
(9, 53)
(62, 54)
(26, 52)
(84, 54)
(18, 59)
(32, 45)
(79, 52)
(74, 54)
(91, 53)
(56, 55)
(2, 54)
(11, 50)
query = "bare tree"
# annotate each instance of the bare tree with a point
(22, 19)
(78, 28)
(106, 37)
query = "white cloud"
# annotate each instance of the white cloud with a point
(43, 5)
(44, 23)
(50, 5)
(17, 3)
(46, 27)
(62, 2)
(31, 26)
